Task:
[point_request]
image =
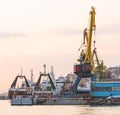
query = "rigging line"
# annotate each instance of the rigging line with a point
(80, 46)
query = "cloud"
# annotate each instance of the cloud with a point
(110, 29)
(104, 30)
(67, 31)
(10, 35)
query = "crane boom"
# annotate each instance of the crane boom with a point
(92, 26)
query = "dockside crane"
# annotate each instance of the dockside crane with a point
(87, 67)
(86, 63)
(100, 67)
(87, 35)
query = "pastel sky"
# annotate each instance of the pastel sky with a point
(37, 32)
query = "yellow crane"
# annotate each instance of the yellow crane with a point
(99, 69)
(86, 66)
(87, 35)
(87, 56)
(92, 26)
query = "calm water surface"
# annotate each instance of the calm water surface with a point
(7, 109)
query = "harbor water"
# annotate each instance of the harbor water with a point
(7, 109)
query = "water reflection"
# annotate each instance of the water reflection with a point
(7, 109)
